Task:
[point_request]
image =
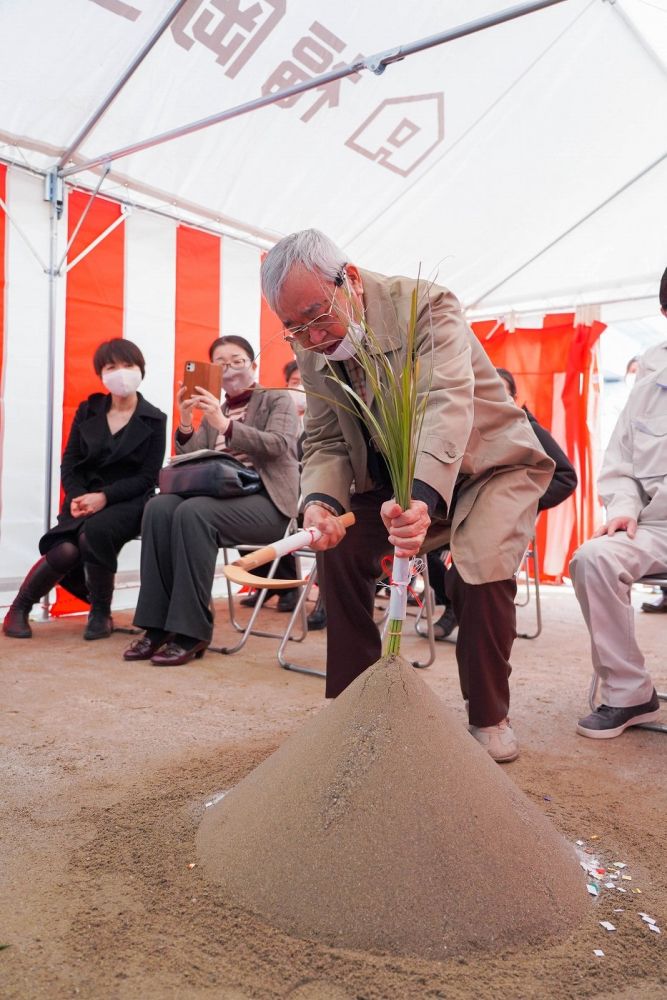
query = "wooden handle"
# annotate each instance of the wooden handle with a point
(269, 553)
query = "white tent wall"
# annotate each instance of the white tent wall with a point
(25, 377)
(148, 319)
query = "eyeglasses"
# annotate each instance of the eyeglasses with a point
(293, 333)
(236, 365)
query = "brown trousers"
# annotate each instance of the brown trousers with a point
(486, 614)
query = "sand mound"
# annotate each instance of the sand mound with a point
(383, 825)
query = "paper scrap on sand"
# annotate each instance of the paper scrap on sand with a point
(598, 952)
(607, 926)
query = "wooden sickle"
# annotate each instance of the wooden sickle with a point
(239, 570)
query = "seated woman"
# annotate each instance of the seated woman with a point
(180, 537)
(109, 470)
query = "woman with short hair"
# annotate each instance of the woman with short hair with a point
(109, 470)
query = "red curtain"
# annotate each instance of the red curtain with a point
(197, 299)
(555, 369)
(93, 313)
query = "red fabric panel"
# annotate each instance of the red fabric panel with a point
(93, 314)
(3, 238)
(556, 375)
(197, 299)
(274, 351)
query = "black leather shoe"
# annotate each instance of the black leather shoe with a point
(606, 722)
(288, 600)
(317, 620)
(173, 655)
(250, 600)
(99, 625)
(445, 624)
(144, 648)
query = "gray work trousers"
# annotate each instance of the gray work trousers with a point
(179, 548)
(603, 571)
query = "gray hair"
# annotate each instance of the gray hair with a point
(309, 249)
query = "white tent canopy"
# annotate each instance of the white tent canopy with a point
(525, 164)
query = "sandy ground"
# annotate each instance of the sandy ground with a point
(107, 766)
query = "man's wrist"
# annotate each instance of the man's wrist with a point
(185, 428)
(325, 501)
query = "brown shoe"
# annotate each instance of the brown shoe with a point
(174, 655)
(144, 648)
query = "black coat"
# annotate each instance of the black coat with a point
(564, 480)
(124, 468)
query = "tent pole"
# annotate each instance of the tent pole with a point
(376, 64)
(85, 212)
(570, 229)
(118, 86)
(55, 191)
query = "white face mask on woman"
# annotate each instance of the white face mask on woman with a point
(237, 380)
(347, 347)
(122, 381)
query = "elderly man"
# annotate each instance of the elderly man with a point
(480, 469)
(633, 543)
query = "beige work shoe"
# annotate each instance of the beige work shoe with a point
(499, 741)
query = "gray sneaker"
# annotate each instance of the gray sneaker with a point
(606, 722)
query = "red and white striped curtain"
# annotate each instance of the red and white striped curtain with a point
(170, 288)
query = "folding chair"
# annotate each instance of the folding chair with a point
(658, 580)
(249, 628)
(382, 624)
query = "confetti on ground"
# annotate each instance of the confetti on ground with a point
(579, 843)
(595, 836)
(619, 909)
(609, 885)
(653, 927)
(593, 889)
(191, 865)
(621, 889)
(627, 878)
(645, 917)
(638, 891)
(620, 864)
(607, 926)
(598, 953)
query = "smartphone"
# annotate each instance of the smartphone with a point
(203, 374)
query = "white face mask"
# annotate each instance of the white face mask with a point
(347, 347)
(237, 380)
(299, 398)
(122, 381)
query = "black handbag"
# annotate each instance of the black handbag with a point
(211, 475)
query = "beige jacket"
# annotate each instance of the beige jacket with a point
(633, 478)
(471, 432)
(268, 435)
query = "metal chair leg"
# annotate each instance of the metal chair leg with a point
(531, 553)
(300, 610)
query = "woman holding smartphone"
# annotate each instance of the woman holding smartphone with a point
(180, 537)
(109, 470)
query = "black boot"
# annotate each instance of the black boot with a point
(99, 581)
(40, 580)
